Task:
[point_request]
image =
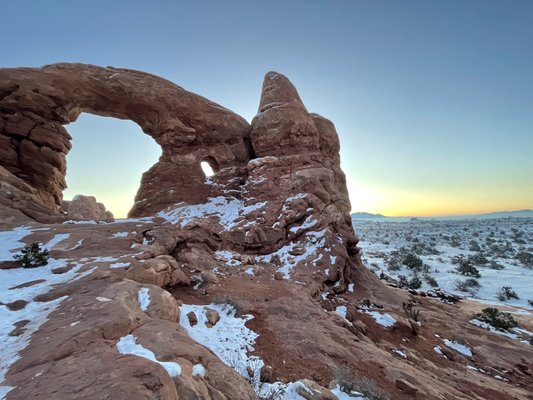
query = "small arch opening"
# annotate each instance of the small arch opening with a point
(209, 166)
(107, 160)
(208, 170)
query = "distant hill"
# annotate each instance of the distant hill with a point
(365, 215)
(506, 214)
(497, 214)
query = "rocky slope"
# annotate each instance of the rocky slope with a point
(266, 244)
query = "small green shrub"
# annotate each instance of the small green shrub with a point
(468, 285)
(506, 293)
(413, 283)
(33, 256)
(502, 321)
(467, 268)
(431, 281)
(478, 259)
(526, 258)
(412, 261)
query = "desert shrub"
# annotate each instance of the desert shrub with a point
(506, 293)
(403, 282)
(455, 241)
(349, 382)
(525, 258)
(467, 268)
(493, 264)
(430, 280)
(413, 283)
(412, 261)
(33, 256)
(468, 285)
(502, 321)
(473, 245)
(478, 259)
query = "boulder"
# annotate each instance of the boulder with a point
(84, 208)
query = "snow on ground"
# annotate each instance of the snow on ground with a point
(144, 298)
(198, 370)
(228, 210)
(341, 310)
(232, 342)
(438, 350)
(229, 257)
(313, 240)
(516, 333)
(10, 242)
(503, 245)
(120, 235)
(400, 353)
(35, 313)
(127, 345)
(344, 396)
(119, 265)
(229, 339)
(383, 319)
(55, 240)
(458, 347)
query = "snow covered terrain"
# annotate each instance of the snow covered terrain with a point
(232, 342)
(471, 257)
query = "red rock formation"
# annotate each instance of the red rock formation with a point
(270, 234)
(36, 103)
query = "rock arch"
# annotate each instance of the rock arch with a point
(36, 103)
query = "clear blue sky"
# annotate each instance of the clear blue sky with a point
(433, 100)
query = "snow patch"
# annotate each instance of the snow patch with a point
(341, 310)
(458, 347)
(120, 235)
(55, 240)
(127, 345)
(198, 370)
(382, 319)
(228, 211)
(144, 298)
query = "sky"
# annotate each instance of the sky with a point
(432, 100)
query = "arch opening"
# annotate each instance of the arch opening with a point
(209, 166)
(107, 160)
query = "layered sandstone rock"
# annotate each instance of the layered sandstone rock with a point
(269, 236)
(37, 103)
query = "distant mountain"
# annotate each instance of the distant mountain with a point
(506, 214)
(497, 214)
(365, 215)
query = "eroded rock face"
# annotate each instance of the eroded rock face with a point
(37, 103)
(269, 235)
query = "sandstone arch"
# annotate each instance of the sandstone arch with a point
(36, 103)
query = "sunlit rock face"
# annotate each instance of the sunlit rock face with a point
(37, 103)
(266, 243)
